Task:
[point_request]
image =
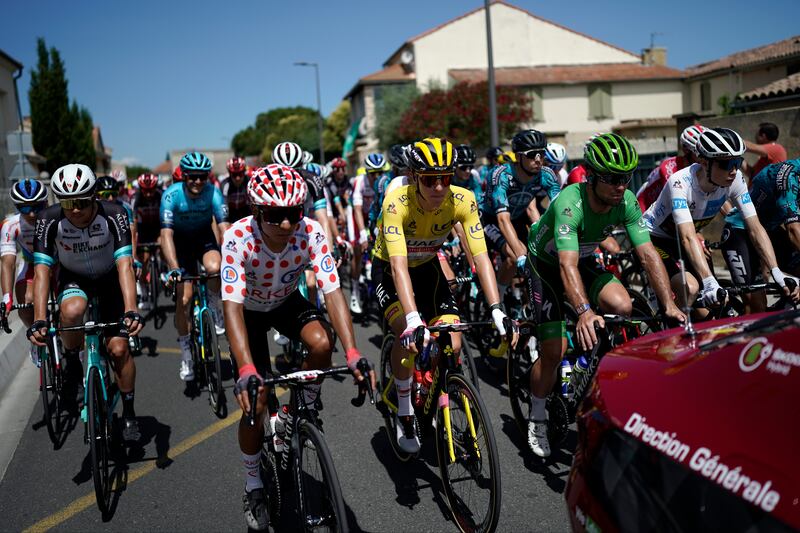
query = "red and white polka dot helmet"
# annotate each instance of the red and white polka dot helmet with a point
(277, 186)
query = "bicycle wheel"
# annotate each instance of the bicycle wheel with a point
(471, 476)
(50, 384)
(319, 496)
(99, 434)
(154, 283)
(271, 479)
(468, 367)
(641, 307)
(518, 380)
(212, 364)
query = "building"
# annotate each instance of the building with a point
(748, 75)
(218, 156)
(9, 114)
(578, 84)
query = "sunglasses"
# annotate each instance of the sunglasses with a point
(201, 176)
(31, 208)
(107, 195)
(429, 180)
(730, 164)
(77, 203)
(276, 215)
(615, 179)
(534, 154)
(466, 168)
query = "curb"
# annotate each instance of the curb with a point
(14, 349)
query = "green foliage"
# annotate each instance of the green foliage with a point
(394, 102)
(726, 103)
(335, 129)
(251, 140)
(461, 114)
(61, 133)
(300, 128)
(134, 171)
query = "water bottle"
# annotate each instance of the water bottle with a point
(279, 429)
(566, 372)
(578, 372)
(368, 270)
(420, 390)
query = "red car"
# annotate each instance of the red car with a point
(693, 433)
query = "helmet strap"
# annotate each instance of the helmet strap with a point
(708, 172)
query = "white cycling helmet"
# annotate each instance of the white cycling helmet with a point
(555, 154)
(277, 186)
(73, 181)
(720, 143)
(308, 157)
(287, 154)
(690, 136)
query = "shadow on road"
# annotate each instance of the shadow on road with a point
(149, 346)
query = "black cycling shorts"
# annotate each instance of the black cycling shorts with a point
(105, 289)
(190, 247)
(148, 233)
(740, 256)
(668, 251)
(545, 290)
(432, 293)
(495, 238)
(289, 318)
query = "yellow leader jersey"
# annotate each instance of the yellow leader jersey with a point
(408, 230)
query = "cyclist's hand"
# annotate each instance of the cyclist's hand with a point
(409, 337)
(587, 336)
(788, 283)
(174, 276)
(137, 268)
(675, 315)
(8, 302)
(133, 322)
(521, 260)
(709, 295)
(355, 362)
(37, 333)
(502, 322)
(240, 389)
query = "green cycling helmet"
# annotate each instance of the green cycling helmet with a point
(610, 153)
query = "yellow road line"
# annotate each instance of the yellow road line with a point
(84, 502)
(224, 354)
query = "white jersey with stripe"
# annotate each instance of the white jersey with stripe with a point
(682, 200)
(17, 232)
(261, 279)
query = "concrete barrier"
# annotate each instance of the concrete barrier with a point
(14, 350)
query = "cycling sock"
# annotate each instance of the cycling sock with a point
(538, 408)
(127, 405)
(252, 475)
(186, 350)
(403, 387)
(311, 393)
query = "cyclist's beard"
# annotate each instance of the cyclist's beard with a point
(529, 174)
(602, 200)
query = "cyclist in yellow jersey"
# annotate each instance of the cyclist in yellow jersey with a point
(416, 220)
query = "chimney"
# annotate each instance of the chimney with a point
(654, 56)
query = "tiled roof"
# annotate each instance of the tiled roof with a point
(567, 74)
(164, 168)
(785, 48)
(645, 123)
(782, 87)
(390, 73)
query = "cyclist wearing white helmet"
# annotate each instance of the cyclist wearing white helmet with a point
(264, 257)
(691, 198)
(91, 243)
(555, 156)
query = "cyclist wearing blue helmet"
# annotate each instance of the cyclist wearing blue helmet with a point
(29, 197)
(187, 237)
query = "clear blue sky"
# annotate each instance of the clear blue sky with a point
(159, 75)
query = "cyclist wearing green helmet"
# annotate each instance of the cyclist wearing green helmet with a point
(561, 260)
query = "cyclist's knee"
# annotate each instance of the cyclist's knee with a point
(614, 299)
(118, 349)
(72, 310)
(211, 262)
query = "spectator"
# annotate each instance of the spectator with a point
(769, 151)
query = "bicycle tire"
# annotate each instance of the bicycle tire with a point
(468, 367)
(154, 283)
(50, 383)
(99, 433)
(212, 364)
(270, 477)
(384, 381)
(471, 456)
(518, 382)
(319, 501)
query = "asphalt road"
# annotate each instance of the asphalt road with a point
(187, 475)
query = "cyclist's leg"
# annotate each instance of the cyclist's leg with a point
(436, 299)
(743, 264)
(23, 289)
(72, 307)
(605, 290)
(684, 293)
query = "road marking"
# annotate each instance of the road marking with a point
(224, 354)
(84, 502)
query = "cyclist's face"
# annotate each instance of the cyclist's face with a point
(275, 235)
(195, 182)
(80, 216)
(463, 173)
(238, 177)
(720, 175)
(609, 193)
(531, 164)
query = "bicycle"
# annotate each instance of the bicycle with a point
(151, 273)
(206, 357)
(561, 407)
(465, 445)
(286, 459)
(465, 361)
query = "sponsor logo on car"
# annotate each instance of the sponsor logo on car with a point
(759, 351)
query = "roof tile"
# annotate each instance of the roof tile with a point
(785, 48)
(566, 74)
(782, 87)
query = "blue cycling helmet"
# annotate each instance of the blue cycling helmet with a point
(375, 162)
(28, 191)
(314, 169)
(195, 162)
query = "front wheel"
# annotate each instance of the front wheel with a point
(467, 363)
(212, 365)
(99, 433)
(50, 381)
(468, 457)
(319, 496)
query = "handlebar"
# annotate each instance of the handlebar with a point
(364, 386)
(419, 336)
(4, 315)
(460, 281)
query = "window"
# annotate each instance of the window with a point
(600, 101)
(535, 94)
(705, 96)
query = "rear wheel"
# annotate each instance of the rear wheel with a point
(154, 283)
(471, 475)
(99, 433)
(319, 495)
(212, 364)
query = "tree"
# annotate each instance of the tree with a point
(251, 140)
(61, 133)
(461, 114)
(335, 130)
(394, 102)
(299, 128)
(134, 171)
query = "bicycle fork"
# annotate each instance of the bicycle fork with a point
(444, 405)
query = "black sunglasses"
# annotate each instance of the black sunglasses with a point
(466, 168)
(77, 203)
(195, 176)
(276, 215)
(730, 164)
(429, 180)
(533, 154)
(27, 209)
(615, 179)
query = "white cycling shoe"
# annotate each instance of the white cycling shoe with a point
(355, 305)
(407, 437)
(537, 438)
(219, 319)
(187, 371)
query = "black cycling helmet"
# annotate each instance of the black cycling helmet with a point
(465, 155)
(528, 140)
(397, 156)
(493, 153)
(106, 183)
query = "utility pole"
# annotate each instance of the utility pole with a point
(319, 107)
(495, 136)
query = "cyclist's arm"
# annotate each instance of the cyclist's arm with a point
(127, 282)
(237, 333)
(533, 212)
(9, 263)
(168, 248)
(510, 234)
(462, 238)
(44, 258)
(691, 246)
(486, 276)
(656, 273)
(571, 278)
(402, 282)
(342, 322)
(41, 290)
(793, 231)
(220, 210)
